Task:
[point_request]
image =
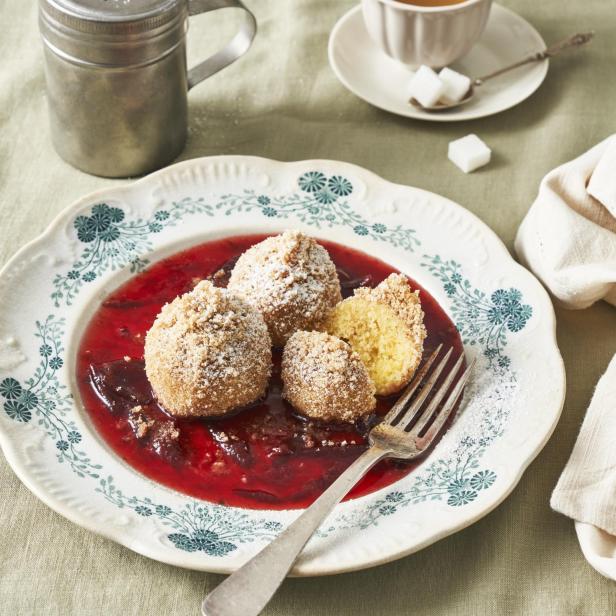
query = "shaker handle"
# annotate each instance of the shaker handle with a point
(234, 49)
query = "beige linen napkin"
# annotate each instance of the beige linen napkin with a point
(586, 490)
(568, 237)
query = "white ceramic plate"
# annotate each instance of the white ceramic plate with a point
(52, 286)
(369, 73)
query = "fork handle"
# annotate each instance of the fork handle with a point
(247, 591)
(576, 40)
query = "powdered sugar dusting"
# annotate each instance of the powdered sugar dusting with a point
(291, 280)
(208, 352)
(325, 379)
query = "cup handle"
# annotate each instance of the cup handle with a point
(234, 49)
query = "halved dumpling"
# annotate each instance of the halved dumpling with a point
(384, 326)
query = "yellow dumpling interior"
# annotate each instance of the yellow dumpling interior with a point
(377, 335)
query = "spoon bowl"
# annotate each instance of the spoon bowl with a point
(575, 41)
(441, 106)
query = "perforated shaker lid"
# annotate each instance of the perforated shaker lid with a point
(112, 16)
(112, 32)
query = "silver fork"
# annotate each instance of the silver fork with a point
(247, 591)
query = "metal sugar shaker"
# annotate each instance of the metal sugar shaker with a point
(117, 80)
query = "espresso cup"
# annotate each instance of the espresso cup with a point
(432, 35)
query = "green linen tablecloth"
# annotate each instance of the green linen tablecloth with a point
(282, 101)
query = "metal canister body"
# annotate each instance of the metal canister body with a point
(117, 80)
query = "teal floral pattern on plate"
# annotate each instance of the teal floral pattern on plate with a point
(44, 398)
(199, 527)
(111, 241)
(321, 202)
(481, 319)
(458, 488)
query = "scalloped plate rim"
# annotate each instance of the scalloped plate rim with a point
(118, 535)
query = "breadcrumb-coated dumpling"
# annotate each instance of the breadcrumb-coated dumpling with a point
(291, 280)
(207, 353)
(325, 379)
(385, 327)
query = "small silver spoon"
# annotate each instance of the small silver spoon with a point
(576, 40)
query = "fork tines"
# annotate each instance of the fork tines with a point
(420, 410)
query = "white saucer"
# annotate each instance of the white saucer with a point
(381, 81)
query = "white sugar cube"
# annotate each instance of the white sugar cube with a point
(469, 153)
(426, 87)
(456, 85)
